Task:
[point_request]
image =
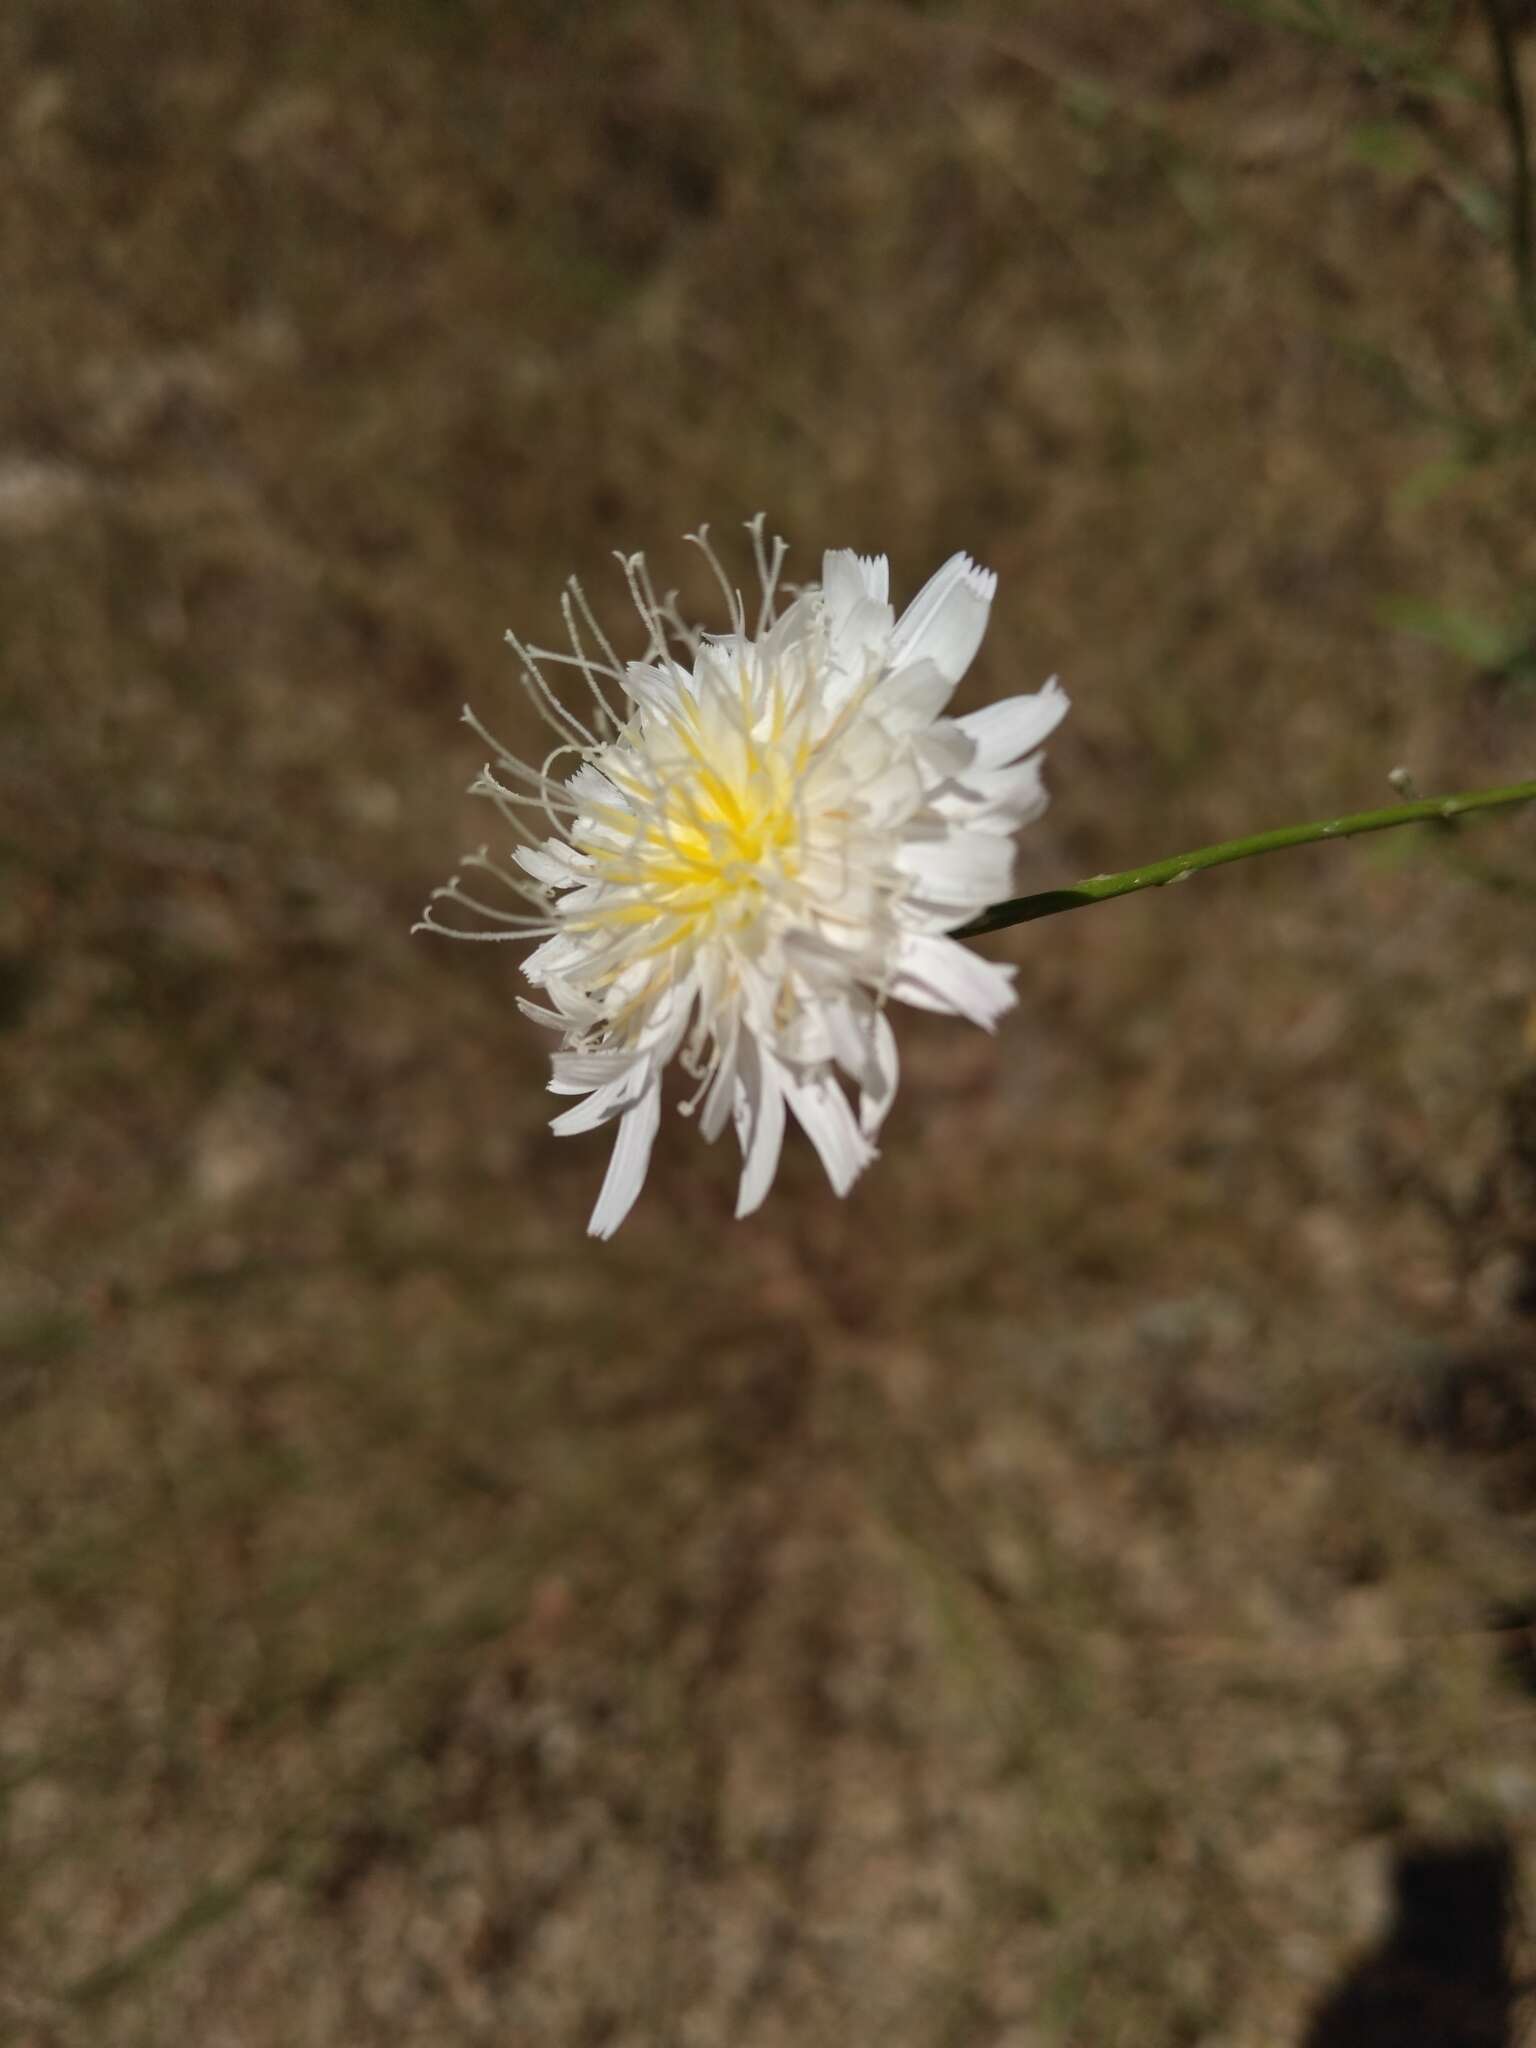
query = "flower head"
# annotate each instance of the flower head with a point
(744, 844)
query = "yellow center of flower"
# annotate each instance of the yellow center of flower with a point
(703, 840)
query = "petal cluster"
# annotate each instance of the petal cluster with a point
(745, 844)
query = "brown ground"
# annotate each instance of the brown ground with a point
(1028, 1604)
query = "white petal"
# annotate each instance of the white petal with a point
(1004, 731)
(944, 749)
(828, 1121)
(760, 1127)
(936, 973)
(995, 799)
(666, 1019)
(609, 1100)
(589, 785)
(875, 1102)
(577, 1073)
(849, 1037)
(553, 862)
(552, 1020)
(888, 795)
(807, 1037)
(797, 622)
(966, 869)
(912, 696)
(858, 644)
(657, 689)
(557, 955)
(858, 623)
(718, 1101)
(626, 1169)
(721, 1093)
(847, 577)
(944, 623)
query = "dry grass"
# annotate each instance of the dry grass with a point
(1020, 1606)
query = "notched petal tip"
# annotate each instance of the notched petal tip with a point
(947, 619)
(849, 580)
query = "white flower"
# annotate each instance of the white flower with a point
(737, 857)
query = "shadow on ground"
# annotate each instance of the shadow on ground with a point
(1440, 1978)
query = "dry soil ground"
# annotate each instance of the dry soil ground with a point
(1031, 1603)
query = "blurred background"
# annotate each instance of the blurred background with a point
(1079, 1589)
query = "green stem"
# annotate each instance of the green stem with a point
(1431, 810)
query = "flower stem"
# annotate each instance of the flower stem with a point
(1432, 810)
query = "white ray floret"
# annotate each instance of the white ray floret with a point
(741, 845)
